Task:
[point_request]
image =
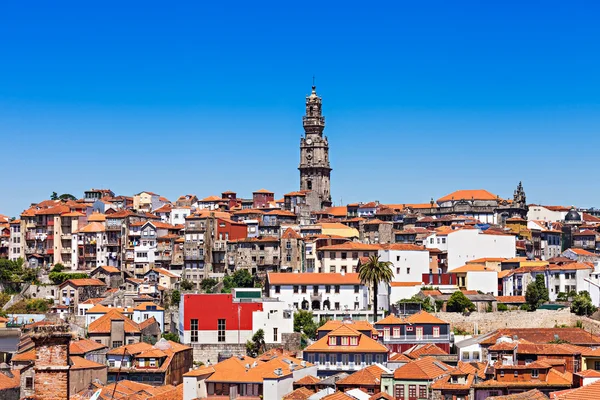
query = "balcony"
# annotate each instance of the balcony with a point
(316, 297)
(66, 236)
(113, 242)
(30, 225)
(113, 227)
(66, 250)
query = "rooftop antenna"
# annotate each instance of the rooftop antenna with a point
(313, 80)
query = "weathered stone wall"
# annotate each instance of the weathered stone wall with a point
(488, 322)
(210, 352)
(40, 291)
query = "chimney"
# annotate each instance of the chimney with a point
(51, 366)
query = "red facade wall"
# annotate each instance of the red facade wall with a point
(209, 308)
(235, 230)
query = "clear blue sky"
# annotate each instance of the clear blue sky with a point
(421, 98)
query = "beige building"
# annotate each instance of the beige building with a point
(344, 257)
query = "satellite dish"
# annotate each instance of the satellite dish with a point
(96, 395)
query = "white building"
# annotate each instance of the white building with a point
(322, 293)
(147, 310)
(15, 249)
(343, 257)
(178, 215)
(464, 244)
(548, 213)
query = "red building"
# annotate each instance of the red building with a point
(226, 229)
(261, 198)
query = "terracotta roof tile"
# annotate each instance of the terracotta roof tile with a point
(365, 343)
(81, 346)
(307, 380)
(427, 368)
(369, 376)
(423, 317)
(81, 363)
(103, 324)
(290, 234)
(478, 194)
(511, 299)
(82, 282)
(301, 393)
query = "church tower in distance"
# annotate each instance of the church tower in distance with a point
(314, 166)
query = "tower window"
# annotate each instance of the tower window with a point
(309, 185)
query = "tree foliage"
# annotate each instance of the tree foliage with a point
(239, 279)
(11, 271)
(207, 284)
(59, 277)
(186, 285)
(256, 345)
(372, 273)
(305, 324)
(582, 304)
(426, 303)
(536, 293)
(502, 307)
(173, 337)
(175, 297)
(458, 302)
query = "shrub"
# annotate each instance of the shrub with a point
(502, 307)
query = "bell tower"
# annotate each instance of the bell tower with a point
(314, 156)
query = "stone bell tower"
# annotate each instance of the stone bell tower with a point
(314, 156)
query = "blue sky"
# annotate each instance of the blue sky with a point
(421, 98)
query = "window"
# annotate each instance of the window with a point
(516, 374)
(333, 358)
(396, 332)
(153, 362)
(397, 258)
(303, 288)
(327, 288)
(354, 341)
(221, 330)
(344, 269)
(277, 289)
(332, 340)
(345, 359)
(117, 343)
(275, 334)
(29, 382)
(295, 289)
(344, 255)
(443, 240)
(357, 359)
(288, 244)
(337, 305)
(399, 391)
(355, 255)
(368, 359)
(397, 270)
(332, 255)
(344, 340)
(356, 305)
(535, 373)
(412, 391)
(379, 358)
(337, 289)
(111, 363)
(194, 330)
(466, 355)
(408, 270)
(288, 257)
(436, 331)
(322, 359)
(356, 288)
(476, 355)
(332, 269)
(502, 374)
(422, 391)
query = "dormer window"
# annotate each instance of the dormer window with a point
(344, 340)
(354, 341)
(332, 340)
(535, 373)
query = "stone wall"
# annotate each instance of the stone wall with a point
(488, 322)
(40, 291)
(210, 352)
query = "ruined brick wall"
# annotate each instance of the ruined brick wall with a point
(51, 368)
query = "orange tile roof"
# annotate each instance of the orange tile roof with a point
(301, 393)
(28, 355)
(146, 323)
(420, 350)
(338, 396)
(390, 319)
(427, 368)
(81, 363)
(472, 268)
(307, 380)
(402, 247)
(103, 324)
(82, 282)
(369, 376)
(311, 278)
(405, 284)
(265, 191)
(10, 383)
(381, 396)
(144, 306)
(110, 269)
(166, 272)
(423, 317)
(290, 234)
(365, 343)
(575, 336)
(132, 349)
(81, 346)
(92, 227)
(581, 252)
(358, 325)
(478, 194)
(511, 299)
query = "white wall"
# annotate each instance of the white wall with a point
(543, 214)
(398, 293)
(408, 266)
(486, 281)
(347, 297)
(469, 244)
(159, 315)
(273, 316)
(178, 215)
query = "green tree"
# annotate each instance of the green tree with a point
(582, 304)
(173, 337)
(257, 345)
(54, 196)
(426, 303)
(11, 271)
(59, 277)
(207, 284)
(239, 279)
(175, 297)
(58, 267)
(458, 302)
(372, 273)
(305, 324)
(536, 293)
(186, 285)
(502, 307)
(67, 196)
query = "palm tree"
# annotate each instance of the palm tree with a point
(372, 273)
